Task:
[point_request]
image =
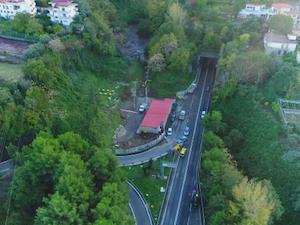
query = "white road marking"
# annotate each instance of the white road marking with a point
(143, 201)
(189, 156)
(132, 211)
(171, 186)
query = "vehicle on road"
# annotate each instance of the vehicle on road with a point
(182, 140)
(186, 131)
(192, 88)
(207, 88)
(177, 147)
(195, 198)
(181, 115)
(183, 152)
(169, 131)
(203, 113)
(142, 107)
(173, 117)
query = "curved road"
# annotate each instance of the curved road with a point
(139, 207)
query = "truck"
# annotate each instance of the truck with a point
(181, 115)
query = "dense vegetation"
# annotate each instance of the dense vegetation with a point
(249, 84)
(58, 127)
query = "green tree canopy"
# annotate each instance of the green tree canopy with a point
(281, 24)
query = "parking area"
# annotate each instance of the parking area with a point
(126, 136)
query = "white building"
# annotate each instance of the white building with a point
(9, 8)
(282, 8)
(62, 11)
(256, 10)
(279, 44)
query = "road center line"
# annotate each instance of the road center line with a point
(189, 156)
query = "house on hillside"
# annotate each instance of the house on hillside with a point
(282, 8)
(10, 8)
(256, 10)
(62, 11)
(279, 44)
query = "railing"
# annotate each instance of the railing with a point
(141, 148)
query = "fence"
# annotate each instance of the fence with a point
(141, 148)
(10, 35)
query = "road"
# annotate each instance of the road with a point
(178, 209)
(139, 208)
(6, 166)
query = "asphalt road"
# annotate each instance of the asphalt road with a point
(178, 209)
(139, 207)
(6, 166)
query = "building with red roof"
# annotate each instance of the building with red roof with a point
(156, 117)
(62, 11)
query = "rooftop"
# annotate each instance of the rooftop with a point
(157, 113)
(11, 1)
(278, 38)
(63, 3)
(281, 5)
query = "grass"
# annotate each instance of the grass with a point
(10, 72)
(168, 84)
(149, 185)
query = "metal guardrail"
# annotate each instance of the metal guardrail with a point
(141, 148)
(143, 200)
(166, 193)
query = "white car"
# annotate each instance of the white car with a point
(169, 131)
(203, 114)
(142, 108)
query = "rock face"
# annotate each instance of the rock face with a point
(134, 47)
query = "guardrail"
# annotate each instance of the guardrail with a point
(143, 200)
(167, 191)
(141, 148)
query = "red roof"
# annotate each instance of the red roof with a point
(63, 2)
(157, 113)
(281, 5)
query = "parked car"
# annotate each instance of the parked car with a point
(186, 131)
(173, 117)
(169, 131)
(142, 107)
(183, 152)
(203, 114)
(207, 88)
(181, 115)
(192, 88)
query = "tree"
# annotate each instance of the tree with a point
(156, 10)
(102, 165)
(24, 23)
(112, 207)
(213, 121)
(258, 202)
(281, 24)
(211, 140)
(156, 63)
(58, 210)
(177, 15)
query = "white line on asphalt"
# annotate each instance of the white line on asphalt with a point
(189, 156)
(143, 201)
(132, 211)
(174, 174)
